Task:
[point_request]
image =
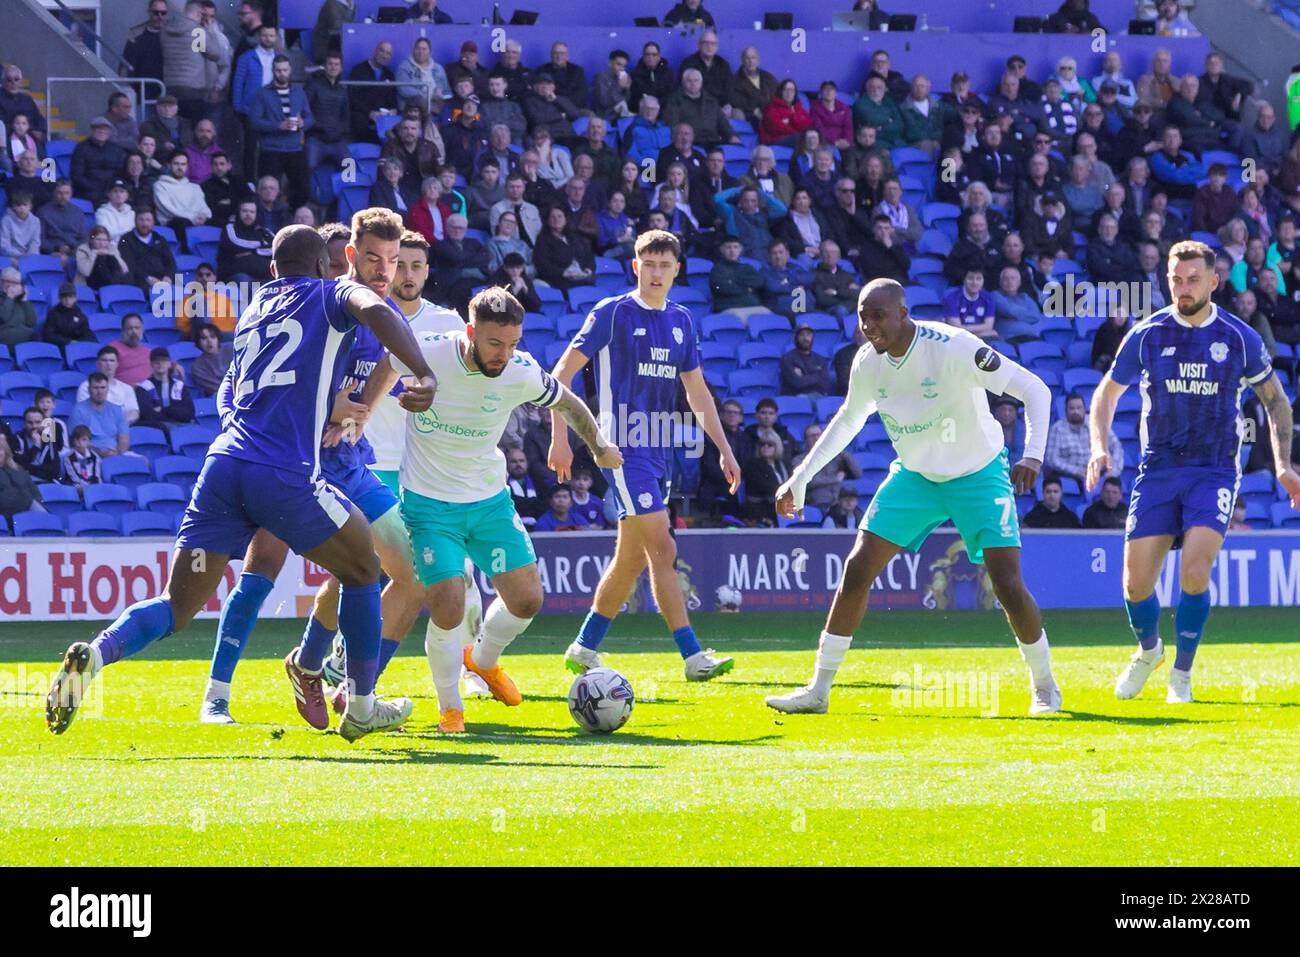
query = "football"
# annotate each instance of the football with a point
(601, 700)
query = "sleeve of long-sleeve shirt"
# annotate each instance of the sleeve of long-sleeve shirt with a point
(840, 431)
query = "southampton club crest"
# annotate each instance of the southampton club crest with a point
(1219, 351)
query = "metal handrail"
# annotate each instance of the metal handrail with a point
(425, 84)
(84, 28)
(118, 81)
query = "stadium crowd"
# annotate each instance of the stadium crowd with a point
(985, 203)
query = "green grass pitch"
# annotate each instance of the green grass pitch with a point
(702, 774)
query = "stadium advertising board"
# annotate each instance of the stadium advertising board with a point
(770, 570)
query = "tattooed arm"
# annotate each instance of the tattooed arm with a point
(1280, 427)
(575, 413)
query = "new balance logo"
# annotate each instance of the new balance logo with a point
(1168, 351)
(638, 332)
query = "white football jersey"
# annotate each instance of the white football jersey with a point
(934, 400)
(451, 449)
(386, 428)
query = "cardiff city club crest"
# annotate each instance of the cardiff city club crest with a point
(677, 335)
(1219, 351)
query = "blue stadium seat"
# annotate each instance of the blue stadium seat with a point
(1083, 381)
(698, 265)
(723, 327)
(165, 498)
(1284, 516)
(925, 266)
(536, 320)
(206, 415)
(148, 441)
(105, 323)
(767, 327)
(1256, 483)
(180, 470)
(121, 299)
(364, 150)
(827, 406)
(191, 440)
(934, 242)
(932, 213)
(751, 382)
(203, 234)
(38, 525)
(40, 358)
(64, 384)
(160, 330)
(94, 524)
(129, 471)
(687, 295)
(583, 297)
(147, 524)
(567, 326)
(869, 482)
(553, 303)
(20, 386)
(109, 498)
(553, 352)
(760, 355)
(1078, 354)
(60, 499)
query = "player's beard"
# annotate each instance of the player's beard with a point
(400, 290)
(483, 366)
(1193, 309)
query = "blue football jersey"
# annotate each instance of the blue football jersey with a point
(366, 352)
(290, 347)
(637, 354)
(1191, 379)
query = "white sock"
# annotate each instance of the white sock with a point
(1039, 658)
(217, 690)
(360, 707)
(831, 650)
(500, 628)
(443, 650)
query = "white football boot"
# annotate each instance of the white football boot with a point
(1180, 687)
(1045, 700)
(1138, 670)
(335, 668)
(387, 715)
(579, 659)
(216, 711)
(702, 666)
(804, 701)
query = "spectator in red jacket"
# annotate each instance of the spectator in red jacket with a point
(428, 217)
(785, 118)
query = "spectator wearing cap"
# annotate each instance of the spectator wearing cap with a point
(169, 129)
(1051, 512)
(17, 314)
(95, 161)
(326, 34)
(468, 66)
(65, 322)
(465, 139)
(1112, 72)
(163, 397)
(147, 254)
(116, 215)
(546, 108)
(117, 392)
(735, 286)
(804, 372)
(844, 512)
(1050, 233)
(20, 228)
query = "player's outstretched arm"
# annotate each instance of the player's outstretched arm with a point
(839, 432)
(559, 458)
(1281, 430)
(700, 400)
(395, 333)
(1104, 401)
(1037, 397)
(574, 411)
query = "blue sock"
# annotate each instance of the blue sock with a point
(238, 615)
(687, 643)
(1189, 625)
(317, 642)
(136, 628)
(1144, 617)
(593, 630)
(387, 648)
(361, 621)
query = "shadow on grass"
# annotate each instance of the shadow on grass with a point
(1138, 720)
(860, 685)
(395, 756)
(573, 737)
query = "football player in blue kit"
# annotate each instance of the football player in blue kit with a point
(1191, 361)
(641, 346)
(264, 471)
